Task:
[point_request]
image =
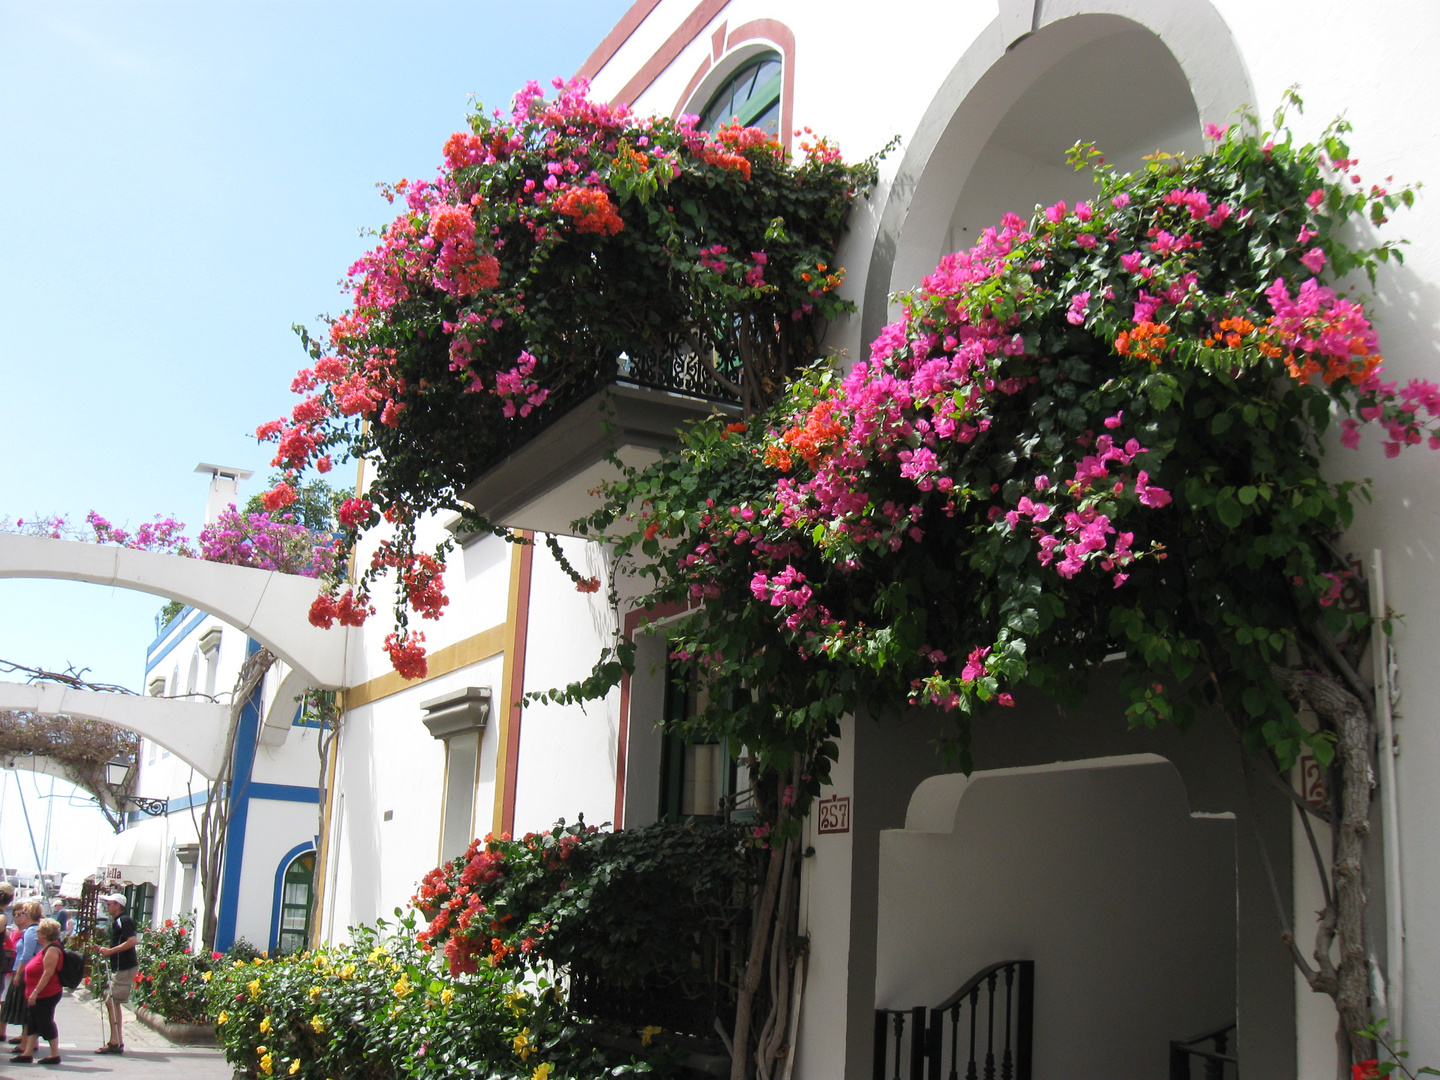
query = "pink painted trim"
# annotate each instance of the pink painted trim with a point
(717, 42)
(633, 621)
(606, 50)
(674, 45)
(782, 35)
(777, 33)
(695, 80)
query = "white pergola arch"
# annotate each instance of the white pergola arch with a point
(270, 607)
(194, 731)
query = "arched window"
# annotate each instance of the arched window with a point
(751, 95)
(297, 891)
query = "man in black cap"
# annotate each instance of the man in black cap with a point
(123, 963)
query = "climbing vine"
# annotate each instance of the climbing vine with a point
(1099, 431)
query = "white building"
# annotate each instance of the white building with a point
(1125, 865)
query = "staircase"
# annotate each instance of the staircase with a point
(987, 1025)
(1208, 1052)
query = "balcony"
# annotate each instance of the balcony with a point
(555, 457)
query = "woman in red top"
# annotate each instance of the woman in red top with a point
(42, 993)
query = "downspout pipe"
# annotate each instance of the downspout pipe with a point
(1389, 801)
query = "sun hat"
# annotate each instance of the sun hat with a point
(113, 898)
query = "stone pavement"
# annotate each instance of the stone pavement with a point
(148, 1055)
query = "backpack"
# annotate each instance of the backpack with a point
(72, 968)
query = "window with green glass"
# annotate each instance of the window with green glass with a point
(296, 892)
(751, 95)
(698, 779)
(140, 903)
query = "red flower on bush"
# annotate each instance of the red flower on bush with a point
(408, 655)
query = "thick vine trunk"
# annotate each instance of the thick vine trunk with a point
(760, 936)
(1342, 922)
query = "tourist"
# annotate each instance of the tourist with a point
(42, 992)
(26, 915)
(123, 963)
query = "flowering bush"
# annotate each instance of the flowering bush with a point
(1100, 430)
(647, 912)
(558, 242)
(381, 1008)
(267, 543)
(290, 543)
(172, 976)
(1095, 435)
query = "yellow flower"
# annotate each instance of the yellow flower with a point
(542, 1071)
(257, 961)
(223, 1018)
(267, 1062)
(347, 971)
(376, 954)
(317, 1024)
(403, 988)
(521, 1043)
(447, 996)
(254, 987)
(294, 1066)
(205, 976)
(513, 1000)
(647, 1035)
(239, 963)
(315, 993)
(265, 1025)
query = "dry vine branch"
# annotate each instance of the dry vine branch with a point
(220, 799)
(80, 747)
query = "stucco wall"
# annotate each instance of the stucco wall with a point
(1095, 871)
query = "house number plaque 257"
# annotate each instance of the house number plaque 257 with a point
(835, 814)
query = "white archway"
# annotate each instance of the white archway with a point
(270, 607)
(194, 731)
(1012, 57)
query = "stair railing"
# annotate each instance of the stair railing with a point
(1217, 1061)
(995, 1042)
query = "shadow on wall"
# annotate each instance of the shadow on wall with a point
(1097, 871)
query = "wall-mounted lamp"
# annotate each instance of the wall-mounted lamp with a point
(117, 773)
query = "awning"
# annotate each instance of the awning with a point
(133, 858)
(72, 885)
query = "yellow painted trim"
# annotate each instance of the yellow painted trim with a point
(322, 849)
(463, 653)
(322, 852)
(501, 708)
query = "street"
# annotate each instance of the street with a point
(148, 1056)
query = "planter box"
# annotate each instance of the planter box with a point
(187, 1034)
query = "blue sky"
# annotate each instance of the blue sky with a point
(179, 183)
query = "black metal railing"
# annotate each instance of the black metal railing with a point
(983, 1031)
(667, 364)
(1216, 1060)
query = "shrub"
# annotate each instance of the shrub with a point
(171, 979)
(381, 1007)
